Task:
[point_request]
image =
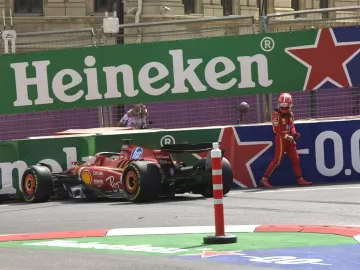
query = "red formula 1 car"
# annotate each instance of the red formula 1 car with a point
(137, 174)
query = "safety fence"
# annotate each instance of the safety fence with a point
(193, 113)
(325, 103)
(22, 125)
(224, 110)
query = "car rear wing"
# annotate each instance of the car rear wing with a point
(187, 148)
(192, 148)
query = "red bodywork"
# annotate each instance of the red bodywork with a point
(106, 171)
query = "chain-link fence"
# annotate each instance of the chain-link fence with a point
(224, 111)
(314, 104)
(190, 113)
(180, 113)
(18, 126)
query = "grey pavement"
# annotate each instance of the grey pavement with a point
(317, 205)
(17, 259)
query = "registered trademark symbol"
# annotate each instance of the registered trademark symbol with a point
(167, 139)
(267, 44)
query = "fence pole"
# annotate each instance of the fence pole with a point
(216, 165)
(120, 39)
(267, 98)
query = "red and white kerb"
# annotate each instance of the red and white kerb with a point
(217, 181)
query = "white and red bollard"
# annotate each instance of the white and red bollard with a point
(216, 165)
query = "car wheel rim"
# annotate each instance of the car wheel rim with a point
(131, 182)
(29, 185)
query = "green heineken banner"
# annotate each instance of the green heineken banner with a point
(152, 72)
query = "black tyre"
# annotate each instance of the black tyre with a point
(37, 184)
(227, 176)
(141, 181)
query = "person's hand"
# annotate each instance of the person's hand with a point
(297, 135)
(290, 138)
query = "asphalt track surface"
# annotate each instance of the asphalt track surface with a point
(316, 205)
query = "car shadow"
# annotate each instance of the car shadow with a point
(124, 201)
(261, 188)
(178, 198)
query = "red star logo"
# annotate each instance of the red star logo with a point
(207, 254)
(326, 60)
(240, 155)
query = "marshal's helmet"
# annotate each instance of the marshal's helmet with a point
(285, 102)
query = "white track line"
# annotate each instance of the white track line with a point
(296, 190)
(180, 230)
(357, 238)
(192, 230)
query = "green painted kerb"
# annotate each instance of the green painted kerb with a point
(167, 245)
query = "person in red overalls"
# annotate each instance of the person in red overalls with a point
(285, 135)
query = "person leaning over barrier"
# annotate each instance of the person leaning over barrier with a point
(135, 117)
(124, 121)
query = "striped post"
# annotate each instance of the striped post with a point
(217, 190)
(217, 182)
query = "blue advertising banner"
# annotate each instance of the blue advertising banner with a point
(329, 152)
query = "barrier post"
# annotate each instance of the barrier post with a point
(217, 182)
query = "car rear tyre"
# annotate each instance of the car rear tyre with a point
(141, 181)
(37, 184)
(227, 176)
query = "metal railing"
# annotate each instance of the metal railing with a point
(54, 40)
(307, 19)
(180, 29)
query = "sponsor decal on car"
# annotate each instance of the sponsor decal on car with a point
(162, 156)
(98, 182)
(86, 176)
(114, 184)
(97, 173)
(136, 153)
(124, 147)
